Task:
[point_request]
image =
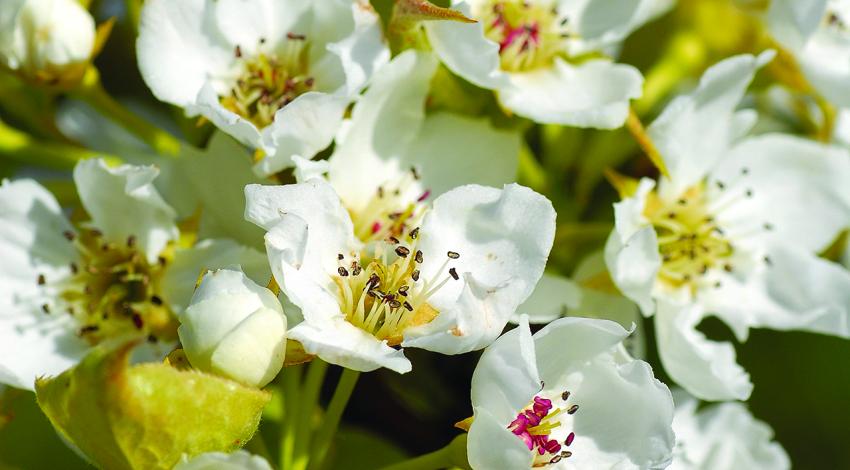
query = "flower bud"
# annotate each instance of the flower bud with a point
(234, 328)
(49, 41)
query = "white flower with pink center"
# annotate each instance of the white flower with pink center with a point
(569, 396)
(545, 58)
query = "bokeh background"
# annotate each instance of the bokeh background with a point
(802, 380)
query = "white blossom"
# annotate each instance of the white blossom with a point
(568, 397)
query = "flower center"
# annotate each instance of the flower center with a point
(386, 293)
(689, 240)
(530, 35)
(113, 291)
(390, 212)
(535, 425)
(837, 20)
(268, 82)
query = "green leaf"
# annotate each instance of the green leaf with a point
(148, 415)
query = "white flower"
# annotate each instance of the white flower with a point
(239, 460)
(390, 157)
(817, 32)
(447, 280)
(234, 328)
(119, 268)
(542, 56)
(568, 397)
(50, 41)
(734, 232)
(275, 74)
(724, 436)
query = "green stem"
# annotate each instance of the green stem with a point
(452, 455)
(292, 403)
(21, 147)
(93, 93)
(309, 399)
(344, 387)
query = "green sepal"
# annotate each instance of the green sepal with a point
(148, 415)
(407, 15)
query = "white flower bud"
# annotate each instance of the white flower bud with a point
(46, 40)
(234, 328)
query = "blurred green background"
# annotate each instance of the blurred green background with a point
(802, 380)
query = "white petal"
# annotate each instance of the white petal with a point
(634, 264)
(575, 339)
(183, 272)
(792, 21)
(506, 379)
(247, 22)
(34, 344)
(363, 50)
(799, 187)
(383, 124)
(463, 48)
(550, 299)
(695, 130)
(705, 368)
(343, 344)
(306, 170)
(31, 239)
(595, 93)
(207, 104)
(503, 238)
(122, 201)
(303, 127)
(491, 445)
(797, 291)
(178, 48)
(318, 206)
(723, 437)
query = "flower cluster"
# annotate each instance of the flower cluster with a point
(209, 214)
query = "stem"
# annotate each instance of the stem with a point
(92, 92)
(21, 147)
(637, 130)
(291, 400)
(344, 387)
(309, 399)
(452, 455)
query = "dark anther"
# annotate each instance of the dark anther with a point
(403, 290)
(566, 454)
(69, 235)
(682, 202)
(41, 280)
(415, 275)
(395, 303)
(342, 271)
(768, 226)
(566, 395)
(402, 251)
(156, 300)
(768, 261)
(393, 240)
(137, 321)
(45, 308)
(671, 215)
(555, 459)
(356, 269)
(749, 193)
(415, 172)
(720, 185)
(340, 257)
(131, 241)
(162, 261)
(453, 255)
(453, 272)
(237, 51)
(74, 268)
(572, 410)
(89, 329)
(298, 37)
(570, 439)
(381, 192)
(414, 233)
(745, 171)
(419, 258)
(152, 339)
(408, 306)
(262, 40)
(727, 267)
(717, 285)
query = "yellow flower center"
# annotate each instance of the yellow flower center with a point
(385, 293)
(689, 240)
(390, 211)
(530, 34)
(112, 291)
(269, 82)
